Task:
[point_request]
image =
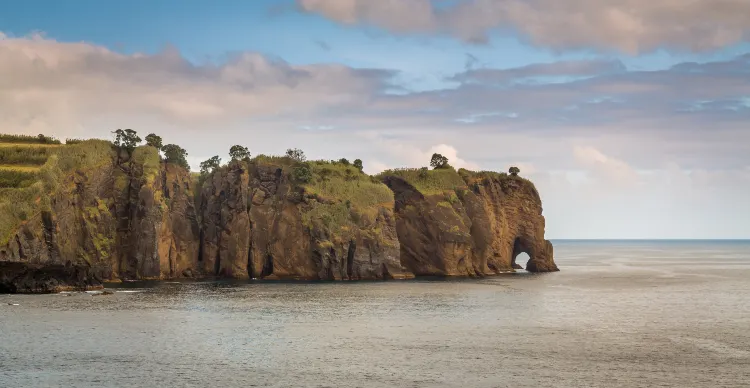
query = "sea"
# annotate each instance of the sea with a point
(618, 314)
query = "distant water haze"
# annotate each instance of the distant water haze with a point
(619, 314)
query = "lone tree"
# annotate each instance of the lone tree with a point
(176, 155)
(438, 161)
(296, 154)
(126, 139)
(358, 164)
(238, 152)
(211, 164)
(154, 141)
(514, 171)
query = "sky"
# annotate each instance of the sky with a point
(632, 116)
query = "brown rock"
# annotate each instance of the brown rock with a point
(480, 232)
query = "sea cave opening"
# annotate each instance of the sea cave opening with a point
(520, 254)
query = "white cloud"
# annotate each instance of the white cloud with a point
(641, 167)
(628, 25)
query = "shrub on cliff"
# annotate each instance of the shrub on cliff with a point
(514, 171)
(149, 159)
(296, 154)
(302, 174)
(176, 155)
(210, 164)
(126, 139)
(154, 141)
(238, 152)
(358, 164)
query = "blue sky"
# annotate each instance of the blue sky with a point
(633, 111)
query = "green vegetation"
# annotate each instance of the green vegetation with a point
(296, 154)
(429, 182)
(148, 157)
(31, 196)
(26, 154)
(126, 139)
(71, 141)
(514, 171)
(473, 178)
(28, 139)
(273, 160)
(339, 182)
(358, 164)
(154, 141)
(176, 155)
(238, 152)
(16, 178)
(302, 174)
(210, 165)
(20, 167)
(438, 161)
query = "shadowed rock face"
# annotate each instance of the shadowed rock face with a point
(479, 233)
(114, 223)
(131, 220)
(253, 227)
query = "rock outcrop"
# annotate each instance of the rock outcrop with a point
(473, 230)
(132, 219)
(257, 223)
(136, 217)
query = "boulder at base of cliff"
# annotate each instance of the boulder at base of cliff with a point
(27, 278)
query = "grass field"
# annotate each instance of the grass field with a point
(429, 182)
(38, 139)
(26, 185)
(20, 167)
(30, 145)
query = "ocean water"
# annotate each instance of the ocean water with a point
(619, 314)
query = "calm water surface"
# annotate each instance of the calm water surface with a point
(619, 314)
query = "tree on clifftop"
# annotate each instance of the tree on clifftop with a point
(176, 155)
(154, 141)
(514, 171)
(438, 161)
(211, 164)
(296, 154)
(358, 163)
(238, 152)
(126, 139)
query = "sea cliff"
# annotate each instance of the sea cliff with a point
(96, 213)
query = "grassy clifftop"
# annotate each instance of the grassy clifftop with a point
(27, 188)
(429, 182)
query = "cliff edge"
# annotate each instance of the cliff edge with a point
(98, 214)
(462, 223)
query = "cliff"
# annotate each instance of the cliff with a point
(99, 215)
(468, 224)
(259, 221)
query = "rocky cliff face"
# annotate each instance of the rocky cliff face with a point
(477, 230)
(139, 218)
(122, 220)
(256, 223)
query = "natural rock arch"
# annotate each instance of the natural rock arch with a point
(519, 247)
